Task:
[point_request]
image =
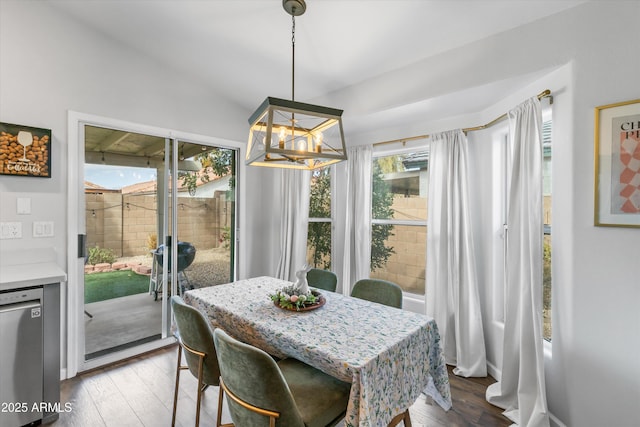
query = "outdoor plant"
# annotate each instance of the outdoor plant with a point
(225, 237)
(546, 277)
(98, 255)
(546, 288)
(319, 233)
(189, 180)
(217, 162)
(152, 242)
(381, 201)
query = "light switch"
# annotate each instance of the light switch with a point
(23, 206)
(43, 229)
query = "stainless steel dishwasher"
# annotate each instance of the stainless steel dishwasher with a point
(21, 357)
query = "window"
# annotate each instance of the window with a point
(399, 219)
(319, 237)
(546, 196)
(500, 204)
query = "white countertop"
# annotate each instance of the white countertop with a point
(18, 270)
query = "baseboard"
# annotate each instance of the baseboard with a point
(494, 371)
(555, 421)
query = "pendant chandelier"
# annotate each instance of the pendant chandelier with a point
(295, 135)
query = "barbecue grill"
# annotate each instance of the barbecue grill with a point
(186, 255)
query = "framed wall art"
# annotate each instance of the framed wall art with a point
(617, 165)
(25, 151)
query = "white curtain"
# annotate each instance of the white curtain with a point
(521, 390)
(357, 238)
(295, 189)
(452, 290)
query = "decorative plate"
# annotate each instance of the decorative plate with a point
(319, 303)
(290, 298)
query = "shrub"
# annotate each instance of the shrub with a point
(225, 237)
(100, 255)
(152, 242)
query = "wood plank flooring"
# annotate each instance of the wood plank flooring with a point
(139, 392)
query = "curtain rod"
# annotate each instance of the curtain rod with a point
(544, 94)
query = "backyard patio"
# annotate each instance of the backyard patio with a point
(210, 267)
(108, 322)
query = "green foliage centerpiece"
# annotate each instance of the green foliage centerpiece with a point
(298, 296)
(290, 298)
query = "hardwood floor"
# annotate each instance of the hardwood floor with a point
(139, 392)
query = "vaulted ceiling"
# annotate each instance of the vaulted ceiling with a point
(360, 56)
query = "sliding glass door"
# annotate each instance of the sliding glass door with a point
(159, 220)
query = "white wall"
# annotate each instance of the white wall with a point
(600, 326)
(593, 377)
(263, 227)
(487, 224)
(592, 373)
(40, 211)
(59, 65)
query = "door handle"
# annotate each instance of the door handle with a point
(82, 243)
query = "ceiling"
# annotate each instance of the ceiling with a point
(117, 147)
(241, 49)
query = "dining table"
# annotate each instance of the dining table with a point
(389, 355)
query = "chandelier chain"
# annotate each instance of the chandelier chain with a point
(293, 56)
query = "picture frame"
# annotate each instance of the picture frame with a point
(617, 165)
(25, 151)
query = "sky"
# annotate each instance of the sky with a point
(116, 177)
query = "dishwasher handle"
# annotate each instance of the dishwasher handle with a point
(20, 306)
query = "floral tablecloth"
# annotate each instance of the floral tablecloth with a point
(389, 356)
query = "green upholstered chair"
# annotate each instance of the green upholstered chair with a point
(288, 393)
(322, 279)
(195, 337)
(380, 291)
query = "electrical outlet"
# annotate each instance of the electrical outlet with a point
(10, 230)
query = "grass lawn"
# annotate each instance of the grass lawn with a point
(113, 284)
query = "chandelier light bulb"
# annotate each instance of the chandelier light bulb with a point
(317, 139)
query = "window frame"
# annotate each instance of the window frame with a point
(407, 149)
(500, 205)
(331, 219)
(547, 117)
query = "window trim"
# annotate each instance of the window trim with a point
(331, 219)
(498, 296)
(387, 152)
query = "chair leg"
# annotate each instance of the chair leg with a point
(220, 399)
(200, 389)
(407, 419)
(175, 393)
(404, 417)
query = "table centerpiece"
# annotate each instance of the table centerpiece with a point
(298, 297)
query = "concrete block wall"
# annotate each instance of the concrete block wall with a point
(406, 266)
(104, 221)
(125, 223)
(140, 222)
